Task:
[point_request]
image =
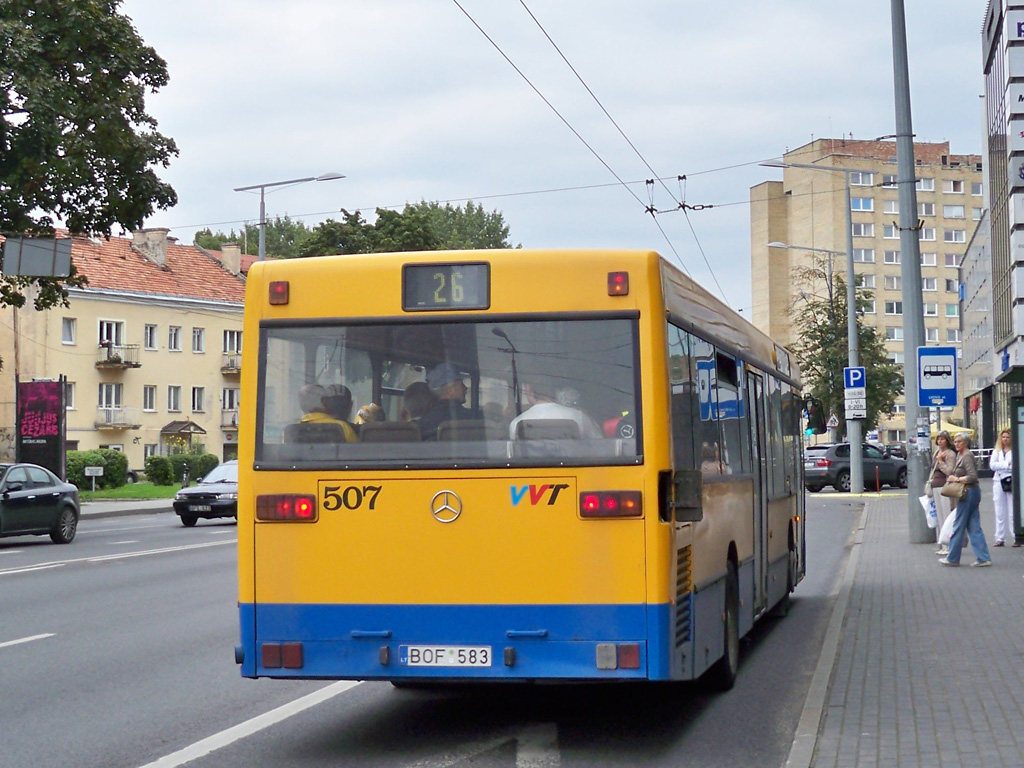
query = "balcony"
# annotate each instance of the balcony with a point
(111, 356)
(231, 363)
(117, 418)
(229, 418)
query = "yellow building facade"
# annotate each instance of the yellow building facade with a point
(806, 211)
(150, 348)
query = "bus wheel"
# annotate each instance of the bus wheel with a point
(722, 676)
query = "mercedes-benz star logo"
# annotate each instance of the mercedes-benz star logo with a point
(446, 506)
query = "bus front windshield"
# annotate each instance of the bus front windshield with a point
(509, 392)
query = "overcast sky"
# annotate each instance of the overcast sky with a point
(411, 101)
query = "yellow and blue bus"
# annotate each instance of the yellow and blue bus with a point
(566, 465)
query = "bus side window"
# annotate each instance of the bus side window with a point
(682, 386)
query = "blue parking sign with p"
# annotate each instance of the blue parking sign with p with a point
(853, 378)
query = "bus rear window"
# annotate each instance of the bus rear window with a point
(516, 392)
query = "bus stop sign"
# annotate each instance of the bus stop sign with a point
(936, 377)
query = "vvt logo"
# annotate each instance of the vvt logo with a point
(538, 493)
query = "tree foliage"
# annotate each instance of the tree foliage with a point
(285, 237)
(822, 346)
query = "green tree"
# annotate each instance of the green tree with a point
(822, 346)
(285, 238)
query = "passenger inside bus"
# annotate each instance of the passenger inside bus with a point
(562, 404)
(449, 390)
(338, 405)
(417, 400)
(317, 425)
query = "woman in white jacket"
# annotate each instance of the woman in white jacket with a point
(1001, 464)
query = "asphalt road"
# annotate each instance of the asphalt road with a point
(116, 651)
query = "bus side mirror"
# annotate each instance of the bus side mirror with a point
(815, 417)
(688, 487)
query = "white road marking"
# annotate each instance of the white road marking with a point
(11, 551)
(120, 556)
(249, 727)
(126, 541)
(9, 643)
(536, 747)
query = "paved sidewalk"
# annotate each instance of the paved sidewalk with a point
(929, 669)
(97, 509)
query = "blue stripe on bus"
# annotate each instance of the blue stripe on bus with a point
(550, 641)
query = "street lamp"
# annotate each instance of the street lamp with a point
(853, 426)
(263, 208)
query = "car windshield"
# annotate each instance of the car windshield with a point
(225, 473)
(495, 392)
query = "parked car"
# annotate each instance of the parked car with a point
(830, 465)
(216, 495)
(899, 450)
(35, 501)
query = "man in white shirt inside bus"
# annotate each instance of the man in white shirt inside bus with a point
(561, 405)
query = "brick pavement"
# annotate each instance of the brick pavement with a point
(930, 663)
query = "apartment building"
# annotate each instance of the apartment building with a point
(806, 211)
(150, 348)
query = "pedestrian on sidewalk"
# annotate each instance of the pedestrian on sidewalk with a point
(1001, 464)
(968, 509)
(942, 467)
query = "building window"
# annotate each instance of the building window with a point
(952, 310)
(198, 339)
(952, 260)
(149, 449)
(952, 286)
(891, 206)
(926, 185)
(929, 284)
(976, 188)
(953, 334)
(861, 178)
(953, 186)
(893, 283)
(892, 257)
(955, 235)
(927, 234)
(890, 232)
(230, 398)
(232, 342)
(899, 408)
(928, 259)
(896, 357)
(69, 395)
(173, 398)
(869, 306)
(112, 332)
(865, 281)
(888, 181)
(931, 335)
(926, 209)
(149, 337)
(976, 213)
(68, 330)
(862, 204)
(864, 229)
(149, 397)
(864, 255)
(198, 393)
(174, 338)
(953, 211)
(894, 333)
(894, 307)
(110, 395)
(931, 309)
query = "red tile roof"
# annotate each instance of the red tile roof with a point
(113, 264)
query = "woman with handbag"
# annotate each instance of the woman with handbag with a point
(962, 485)
(1001, 464)
(945, 459)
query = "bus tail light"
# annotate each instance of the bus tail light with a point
(289, 507)
(611, 504)
(278, 655)
(279, 291)
(618, 283)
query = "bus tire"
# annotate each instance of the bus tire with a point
(722, 676)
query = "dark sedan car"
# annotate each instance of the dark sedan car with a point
(216, 495)
(35, 501)
(830, 465)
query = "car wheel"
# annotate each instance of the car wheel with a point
(722, 676)
(188, 520)
(901, 478)
(843, 481)
(814, 488)
(131, 478)
(67, 526)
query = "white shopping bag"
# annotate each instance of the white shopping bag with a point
(946, 533)
(930, 515)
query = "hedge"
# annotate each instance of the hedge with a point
(114, 463)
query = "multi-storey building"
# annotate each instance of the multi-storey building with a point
(150, 348)
(807, 212)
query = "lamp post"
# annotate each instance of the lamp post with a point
(263, 207)
(853, 426)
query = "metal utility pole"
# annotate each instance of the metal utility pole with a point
(919, 455)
